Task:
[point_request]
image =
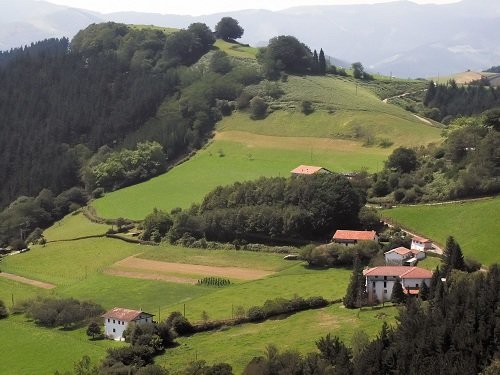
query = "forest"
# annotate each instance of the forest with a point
(268, 209)
(114, 107)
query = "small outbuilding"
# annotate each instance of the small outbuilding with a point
(308, 170)
(401, 256)
(117, 320)
(421, 243)
(352, 237)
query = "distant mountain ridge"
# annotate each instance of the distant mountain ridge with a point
(400, 38)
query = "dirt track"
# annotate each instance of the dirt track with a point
(133, 264)
(24, 280)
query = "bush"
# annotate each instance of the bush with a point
(258, 108)
(97, 193)
(256, 314)
(179, 324)
(306, 107)
(316, 302)
(4, 313)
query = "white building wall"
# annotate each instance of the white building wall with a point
(113, 328)
(382, 290)
(415, 245)
(415, 283)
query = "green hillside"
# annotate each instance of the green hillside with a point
(344, 134)
(475, 225)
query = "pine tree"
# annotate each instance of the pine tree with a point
(398, 296)
(352, 293)
(315, 66)
(424, 291)
(321, 62)
(453, 257)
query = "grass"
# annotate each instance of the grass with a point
(192, 180)
(219, 258)
(13, 291)
(474, 225)
(429, 263)
(30, 349)
(347, 116)
(74, 226)
(330, 284)
(238, 345)
(236, 49)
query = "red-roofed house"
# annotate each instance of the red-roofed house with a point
(308, 170)
(380, 281)
(421, 243)
(352, 237)
(117, 320)
(401, 256)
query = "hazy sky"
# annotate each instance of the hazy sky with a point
(197, 7)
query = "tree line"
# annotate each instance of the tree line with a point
(300, 208)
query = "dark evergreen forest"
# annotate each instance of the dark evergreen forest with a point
(78, 114)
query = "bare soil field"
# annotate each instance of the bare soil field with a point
(24, 280)
(182, 268)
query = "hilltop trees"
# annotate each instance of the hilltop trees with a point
(285, 53)
(228, 28)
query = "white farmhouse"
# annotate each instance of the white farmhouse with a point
(401, 256)
(117, 320)
(421, 243)
(380, 281)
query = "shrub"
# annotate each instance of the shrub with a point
(258, 108)
(256, 314)
(306, 107)
(4, 313)
(97, 193)
(316, 302)
(179, 323)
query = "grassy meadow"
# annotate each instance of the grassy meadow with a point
(238, 345)
(474, 225)
(30, 349)
(73, 226)
(344, 134)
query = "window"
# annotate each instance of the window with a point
(114, 330)
(108, 320)
(114, 321)
(374, 284)
(416, 285)
(385, 291)
(385, 284)
(385, 277)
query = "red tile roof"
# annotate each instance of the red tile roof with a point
(124, 314)
(400, 250)
(399, 271)
(306, 169)
(358, 235)
(420, 239)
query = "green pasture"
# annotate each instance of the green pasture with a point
(236, 50)
(29, 349)
(13, 291)
(67, 263)
(189, 182)
(429, 263)
(74, 226)
(297, 280)
(218, 258)
(238, 345)
(475, 225)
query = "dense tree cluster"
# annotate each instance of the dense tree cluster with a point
(21, 221)
(62, 312)
(447, 101)
(337, 255)
(466, 164)
(304, 207)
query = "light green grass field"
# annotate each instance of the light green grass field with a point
(13, 291)
(219, 258)
(475, 225)
(189, 182)
(236, 50)
(238, 345)
(297, 280)
(28, 349)
(74, 226)
(430, 263)
(333, 137)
